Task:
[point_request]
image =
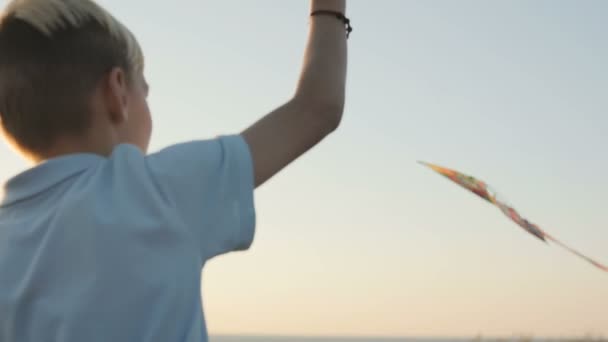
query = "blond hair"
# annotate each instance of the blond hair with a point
(53, 53)
(50, 16)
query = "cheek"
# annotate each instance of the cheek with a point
(140, 124)
(145, 123)
(146, 117)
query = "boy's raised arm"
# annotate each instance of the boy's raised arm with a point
(317, 105)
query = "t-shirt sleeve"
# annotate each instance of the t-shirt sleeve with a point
(210, 184)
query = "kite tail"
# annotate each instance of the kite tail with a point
(577, 253)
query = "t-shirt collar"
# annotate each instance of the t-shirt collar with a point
(45, 175)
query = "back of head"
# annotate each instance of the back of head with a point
(53, 53)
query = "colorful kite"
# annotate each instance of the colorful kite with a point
(482, 190)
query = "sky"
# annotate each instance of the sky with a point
(356, 238)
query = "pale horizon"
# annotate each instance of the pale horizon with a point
(356, 238)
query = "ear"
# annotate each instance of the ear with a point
(117, 95)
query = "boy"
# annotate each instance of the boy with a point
(99, 241)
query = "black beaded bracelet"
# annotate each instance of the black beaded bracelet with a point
(338, 15)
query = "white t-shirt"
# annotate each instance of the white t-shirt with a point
(111, 249)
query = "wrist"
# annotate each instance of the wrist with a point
(328, 5)
(338, 15)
